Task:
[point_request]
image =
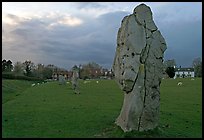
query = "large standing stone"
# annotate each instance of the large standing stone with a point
(138, 66)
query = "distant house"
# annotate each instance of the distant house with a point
(184, 72)
(95, 72)
(67, 75)
(107, 74)
(100, 73)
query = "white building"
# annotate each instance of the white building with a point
(184, 72)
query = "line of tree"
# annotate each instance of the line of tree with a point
(29, 69)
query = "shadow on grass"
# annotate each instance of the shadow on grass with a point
(155, 133)
(115, 131)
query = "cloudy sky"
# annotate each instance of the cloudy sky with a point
(69, 33)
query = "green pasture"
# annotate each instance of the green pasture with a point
(51, 110)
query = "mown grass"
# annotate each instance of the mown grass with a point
(181, 107)
(51, 110)
(13, 88)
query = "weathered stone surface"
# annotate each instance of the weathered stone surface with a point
(138, 66)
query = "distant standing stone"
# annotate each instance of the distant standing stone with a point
(138, 68)
(62, 80)
(75, 84)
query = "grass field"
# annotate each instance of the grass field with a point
(51, 110)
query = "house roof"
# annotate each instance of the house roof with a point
(184, 69)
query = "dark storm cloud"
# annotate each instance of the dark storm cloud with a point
(92, 41)
(95, 39)
(182, 31)
(184, 42)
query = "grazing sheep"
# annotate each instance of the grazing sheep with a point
(86, 82)
(33, 85)
(179, 83)
(97, 82)
(38, 83)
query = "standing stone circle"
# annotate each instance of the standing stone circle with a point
(138, 68)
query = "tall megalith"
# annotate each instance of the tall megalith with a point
(138, 68)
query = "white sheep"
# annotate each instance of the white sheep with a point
(86, 82)
(97, 82)
(33, 85)
(179, 83)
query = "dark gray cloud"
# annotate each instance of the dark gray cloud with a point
(92, 41)
(184, 42)
(182, 31)
(95, 39)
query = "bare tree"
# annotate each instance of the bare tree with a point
(170, 63)
(18, 68)
(197, 65)
(28, 67)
